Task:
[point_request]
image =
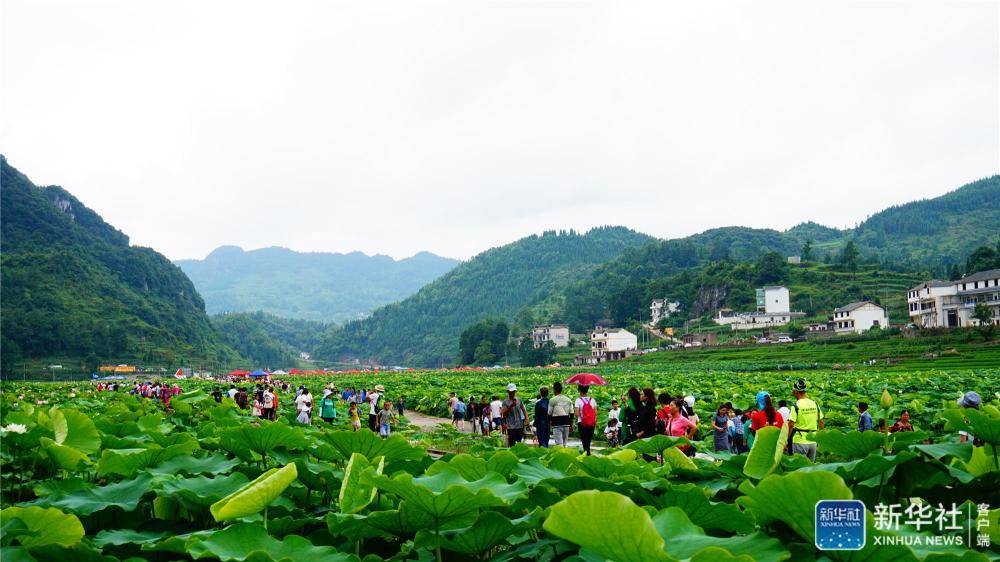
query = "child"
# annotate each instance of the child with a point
(353, 414)
(615, 411)
(612, 432)
(385, 417)
(731, 430)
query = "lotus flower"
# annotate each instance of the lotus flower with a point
(15, 428)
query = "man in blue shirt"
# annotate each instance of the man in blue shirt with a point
(864, 419)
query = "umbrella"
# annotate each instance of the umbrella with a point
(586, 379)
(258, 373)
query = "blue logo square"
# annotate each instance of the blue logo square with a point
(840, 525)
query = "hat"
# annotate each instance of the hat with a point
(379, 388)
(800, 385)
(689, 400)
(511, 387)
(760, 398)
(971, 399)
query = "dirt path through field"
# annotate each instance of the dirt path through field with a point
(430, 423)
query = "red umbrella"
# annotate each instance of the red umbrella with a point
(587, 379)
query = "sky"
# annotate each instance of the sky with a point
(451, 127)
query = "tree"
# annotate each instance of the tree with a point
(484, 353)
(981, 259)
(985, 317)
(532, 356)
(955, 273)
(483, 342)
(849, 256)
(807, 250)
(771, 268)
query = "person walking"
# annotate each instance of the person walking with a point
(328, 407)
(541, 418)
(471, 416)
(400, 405)
(647, 414)
(970, 400)
(303, 405)
(385, 419)
(484, 416)
(615, 412)
(375, 405)
(586, 410)
(352, 413)
(680, 426)
(496, 417)
(452, 402)
(805, 419)
(633, 404)
(269, 404)
(865, 422)
(560, 411)
(514, 416)
(460, 409)
(767, 415)
(720, 430)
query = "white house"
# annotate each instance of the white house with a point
(859, 317)
(660, 309)
(609, 344)
(773, 309)
(951, 304)
(558, 334)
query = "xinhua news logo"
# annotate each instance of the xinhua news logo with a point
(840, 525)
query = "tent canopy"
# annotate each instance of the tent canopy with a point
(259, 373)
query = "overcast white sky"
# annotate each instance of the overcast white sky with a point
(395, 127)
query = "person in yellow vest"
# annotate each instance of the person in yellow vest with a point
(804, 420)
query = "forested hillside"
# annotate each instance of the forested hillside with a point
(424, 328)
(268, 340)
(325, 287)
(924, 238)
(72, 286)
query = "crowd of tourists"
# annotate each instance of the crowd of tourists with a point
(638, 414)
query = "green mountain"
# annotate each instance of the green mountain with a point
(325, 287)
(73, 287)
(269, 340)
(924, 237)
(423, 329)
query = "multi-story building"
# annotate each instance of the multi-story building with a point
(951, 304)
(558, 334)
(660, 309)
(773, 309)
(859, 317)
(610, 344)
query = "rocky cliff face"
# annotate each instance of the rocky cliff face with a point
(710, 299)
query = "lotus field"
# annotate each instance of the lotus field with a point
(89, 475)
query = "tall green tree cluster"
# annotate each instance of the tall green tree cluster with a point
(484, 342)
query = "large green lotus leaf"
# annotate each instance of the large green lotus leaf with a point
(851, 445)
(401, 522)
(81, 552)
(863, 469)
(267, 437)
(656, 444)
(683, 539)
(203, 491)
(65, 457)
(127, 462)
(468, 466)
(74, 429)
(717, 554)
(186, 464)
(502, 462)
(46, 526)
(446, 495)
(533, 471)
(91, 499)
(608, 524)
(255, 496)
(316, 475)
(694, 501)
(768, 448)
(244, 541)
(615, 471)
(355, 495)
(939, 451)
(677, 460)
(791, 498)
(15, 554)
(168, 439)
(369, 444)
(490, 529)
(980, 463)
(984, 424)
(119, 537)
(60, 486)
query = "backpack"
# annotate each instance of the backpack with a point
(588, 414)
(460, 408)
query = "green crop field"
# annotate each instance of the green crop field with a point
(89, 475)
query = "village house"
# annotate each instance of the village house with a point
(611, 344)
(699, 339)
(773, 309)
(951, 304)
(660, 309)
(558, 334)
(859, 317)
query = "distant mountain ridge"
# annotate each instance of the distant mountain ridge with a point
(317, 286)
(922, 236)
(423, 329)
(72, 286)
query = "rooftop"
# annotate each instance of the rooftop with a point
(980, 276)
(855, 306)
(932, 283)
